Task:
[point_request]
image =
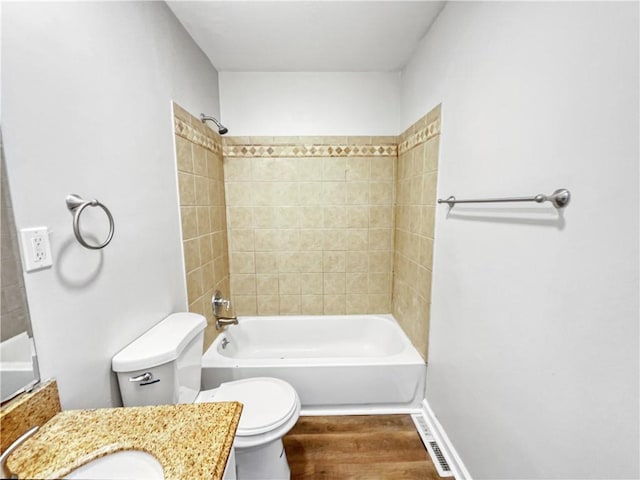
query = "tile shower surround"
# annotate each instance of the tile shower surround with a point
(315, 225)
(416, 182)
(202, 213)
(310, 224)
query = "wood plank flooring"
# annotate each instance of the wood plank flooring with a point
(357, 447)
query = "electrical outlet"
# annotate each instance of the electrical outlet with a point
(35, 248)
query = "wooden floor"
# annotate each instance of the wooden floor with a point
(357, 447)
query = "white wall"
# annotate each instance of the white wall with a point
(87, 90)
(317, 103)
(533, 367)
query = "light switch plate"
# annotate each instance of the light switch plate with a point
(36, 250)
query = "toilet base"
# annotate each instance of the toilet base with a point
(263, 462)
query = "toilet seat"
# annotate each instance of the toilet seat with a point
(270, 408)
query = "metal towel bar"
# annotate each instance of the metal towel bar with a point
(76, 206)
(560, 199)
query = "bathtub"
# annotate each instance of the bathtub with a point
(342, 364)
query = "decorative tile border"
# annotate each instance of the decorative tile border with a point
(214, 145)
(314, 150)
(186, 131)
(420, 136)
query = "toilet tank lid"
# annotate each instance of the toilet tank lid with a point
(162, 344)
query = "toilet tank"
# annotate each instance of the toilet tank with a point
(163, 365)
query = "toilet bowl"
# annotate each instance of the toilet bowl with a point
(163, 366)
(271, 407)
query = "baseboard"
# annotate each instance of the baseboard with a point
(358, 410)
(460, 472)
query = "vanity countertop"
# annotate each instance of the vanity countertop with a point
(191, 441)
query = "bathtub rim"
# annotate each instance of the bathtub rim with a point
(409, 355)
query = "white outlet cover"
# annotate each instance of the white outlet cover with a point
(35, 248)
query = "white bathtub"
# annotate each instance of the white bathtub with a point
(337, 364)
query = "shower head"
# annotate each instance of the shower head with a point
(221, 128)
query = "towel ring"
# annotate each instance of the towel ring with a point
(76, 206)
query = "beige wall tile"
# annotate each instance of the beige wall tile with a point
(289, 283)
(191, 254)
(204, 222)
(242, 262)
(357, 239)
(334, 283)
(311, 261)
(333, 262)
(285, 193)
(267, 284)
(429, 187)
(311, 305)
(237, 170)
(380, 239)
(382, 169)
(189, 222)
(357, 303)
(186, 188)
(358, 193)
(335, 216)
(289, 304)
(381, 216)
(380, 303)
(358, 262)
(239, 194)
(310, 193)
(335, 304)
(240, 217)
(268, 304)
(311, 240)
(202, 190)
(431, 149)
(357, 216)
(381, 193)
(357, 283)
(243, 240)
(266, 262)
(358, 169)
(310, 169)
(243, 284)
(361, 140)
(334, 169)
(289, 262)
(380, 262)
(311, 283)
(206, 250)
(194, 285)
(245, 304)
(333, 193)
(334, 239)
(184, 157)
(199, 160)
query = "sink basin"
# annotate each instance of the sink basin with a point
(124, 465)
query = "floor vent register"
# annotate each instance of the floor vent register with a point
(432, 446)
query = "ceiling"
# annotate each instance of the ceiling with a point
(307, 36)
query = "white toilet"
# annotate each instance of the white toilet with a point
(163, 366)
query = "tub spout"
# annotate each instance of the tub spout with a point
(222, 322)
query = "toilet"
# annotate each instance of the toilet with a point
(164, 366)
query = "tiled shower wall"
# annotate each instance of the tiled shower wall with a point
(14, 311)
(310, 223)
(416, 182)
(202, 213)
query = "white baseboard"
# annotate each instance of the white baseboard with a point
(460, 472)
(358, 410)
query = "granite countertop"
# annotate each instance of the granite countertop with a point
(191, 441)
